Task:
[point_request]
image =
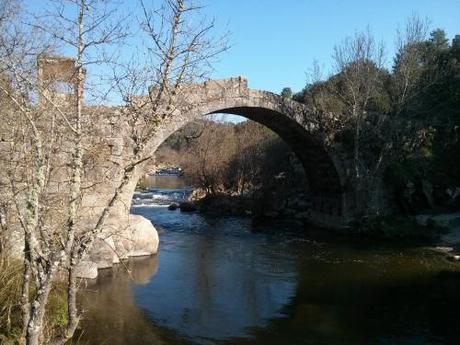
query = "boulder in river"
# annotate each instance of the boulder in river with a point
(122, 238)
(187, 206)
(174, 206)
(140, 237)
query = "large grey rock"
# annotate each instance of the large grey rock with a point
(125, 237)
(140, 238)
(122, 238)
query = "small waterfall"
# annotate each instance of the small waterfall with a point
(158, 197)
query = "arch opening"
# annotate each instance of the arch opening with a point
(322, 175)
(325, 185)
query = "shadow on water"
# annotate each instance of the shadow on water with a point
(400, 302)
(215, 281)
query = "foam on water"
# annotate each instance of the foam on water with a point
(160, 197)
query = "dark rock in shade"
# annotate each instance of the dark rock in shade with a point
(174, 206)
(271, 214)
(302, 216)
(187, 206)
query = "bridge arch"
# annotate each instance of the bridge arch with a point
(324, 170)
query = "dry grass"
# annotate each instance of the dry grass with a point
(10, 313)
(10, 291)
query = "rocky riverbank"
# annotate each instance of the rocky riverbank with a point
(122, 237)
(295, 208)
(131, 237)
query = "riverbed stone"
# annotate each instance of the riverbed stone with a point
(136, 237)
(173, 206)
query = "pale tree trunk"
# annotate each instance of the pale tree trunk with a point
(179, 56)
(75, 192)
(34, 258)
(71, 248)
(34, 335)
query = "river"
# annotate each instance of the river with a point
(219, 281)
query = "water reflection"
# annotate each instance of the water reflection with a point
(111, 314)
(216, 281)
(368, 306)
(213, 285)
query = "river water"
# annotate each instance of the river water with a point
(219, 281)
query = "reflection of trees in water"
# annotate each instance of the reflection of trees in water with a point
(230, 286)
(217, 282)
(111, 314)
(359, 304)
(202, 263)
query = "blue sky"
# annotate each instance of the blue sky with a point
(274, 42)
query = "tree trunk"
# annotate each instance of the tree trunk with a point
(35, 329)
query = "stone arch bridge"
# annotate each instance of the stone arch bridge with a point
(108, 148)
(327, 171)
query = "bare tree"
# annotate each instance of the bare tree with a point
(359, 60)
(49, 243)
(179, 51)
(47, 132)
(350, 106)
(407, 71)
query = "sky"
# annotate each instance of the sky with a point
(274, 42)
